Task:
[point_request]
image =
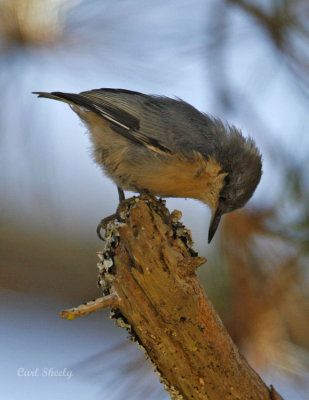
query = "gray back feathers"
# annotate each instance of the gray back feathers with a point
(166, 126)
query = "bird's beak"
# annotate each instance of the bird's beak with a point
(214, 224)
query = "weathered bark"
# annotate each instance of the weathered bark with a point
(149, 268)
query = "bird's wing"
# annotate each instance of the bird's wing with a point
(114, 106)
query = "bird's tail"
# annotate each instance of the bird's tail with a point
(79, 100)
(69, 98)
(47, 95)
(124, 123)
(100, 107)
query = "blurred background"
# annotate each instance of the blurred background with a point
(245, 61)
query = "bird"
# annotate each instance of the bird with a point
(165, 147)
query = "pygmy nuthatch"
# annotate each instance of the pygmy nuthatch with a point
(166, 147)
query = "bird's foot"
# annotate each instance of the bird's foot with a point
(123, 204)
(119, 215)
(103, 224)
(106, 220)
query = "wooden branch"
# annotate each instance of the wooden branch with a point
(82, 310)
(149, 264)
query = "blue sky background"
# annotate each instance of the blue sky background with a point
(52, 189)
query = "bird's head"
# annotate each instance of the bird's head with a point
(242, 169)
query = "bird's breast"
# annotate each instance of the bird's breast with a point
(175, 176)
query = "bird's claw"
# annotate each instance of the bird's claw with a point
(103, 224)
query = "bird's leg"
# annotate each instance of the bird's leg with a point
(106, 220)
(120, 194)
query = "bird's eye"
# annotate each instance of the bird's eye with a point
(227, 179)
(222, 199)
